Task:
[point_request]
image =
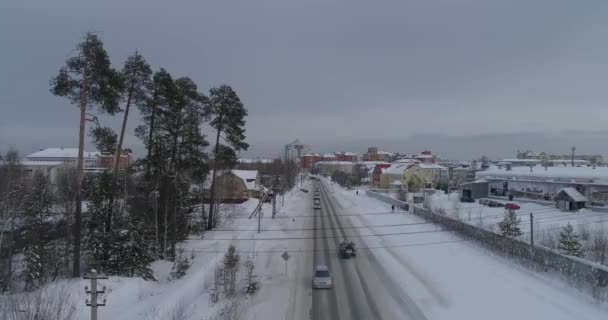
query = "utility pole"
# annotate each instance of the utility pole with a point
(531, 229)
(94, 276)
(260, 220)
(573, 148)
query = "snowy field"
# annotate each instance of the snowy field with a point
(450, 278)
(548, 220)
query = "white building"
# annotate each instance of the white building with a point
(65, 155)
(544, 182)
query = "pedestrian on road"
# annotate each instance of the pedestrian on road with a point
(393, 208)
(357, 192)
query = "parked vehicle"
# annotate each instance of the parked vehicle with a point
(322, 279)
(512, 206)
(470, 200)
(495, 204)
(484, 201)
(347, 249)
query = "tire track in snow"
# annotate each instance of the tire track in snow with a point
(408, 306)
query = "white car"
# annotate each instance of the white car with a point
(322, 279)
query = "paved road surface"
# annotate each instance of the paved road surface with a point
(362, 289)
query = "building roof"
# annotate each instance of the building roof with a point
(406, 160)
(328, 155)
(247, 175)
(430, 166)
(397, 168)
(566, 174)
(349, 154)
(62, 153)
(245, 160)
(520, 160)
(242, 174)
(424, 156)
(573, 194)
(40, 163)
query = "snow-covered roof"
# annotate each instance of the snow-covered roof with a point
(406, 160)
(349, 154)
(246, 175)
(332, 162)
(243, 174)
(424, 156)
(40, 163)
(328, 155)
(572, 193)
(245, 160)
(598, 175)
(385, 152)
(397, 168)
(520, 160)
(62, 153)
(430, 166)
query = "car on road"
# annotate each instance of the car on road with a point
(484, 201)
(512, 206)
(495, 204)
(322, 279)
(465, 199)
(347, 249)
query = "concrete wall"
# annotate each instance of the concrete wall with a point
(589, 277)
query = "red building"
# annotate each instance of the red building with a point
(346, 156)
(107, 161)
(377, 173)
(309, 160)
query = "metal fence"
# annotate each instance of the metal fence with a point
(586, 276)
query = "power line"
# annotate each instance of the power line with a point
(334, 250)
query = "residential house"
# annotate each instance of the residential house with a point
(394, 176)
(425, 174)
(235, 185)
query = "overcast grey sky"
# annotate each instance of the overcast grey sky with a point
(335, 74)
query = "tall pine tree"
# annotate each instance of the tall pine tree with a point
(227, 115)
(87, 79)
(37, 211)
(569, 243)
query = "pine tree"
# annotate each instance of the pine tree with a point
(136, 74)
(227, 115)
(181, 264)
(569, 243)
(509, 227)
(231, 267)
(104, 139)
(87, 79)
(37, 211)
(98, 242)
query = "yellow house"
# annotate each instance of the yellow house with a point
(235, 184)
(424, 174)
(394, 176)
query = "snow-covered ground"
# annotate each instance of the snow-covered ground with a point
(135, 299)
(449, 278)
(548, 220)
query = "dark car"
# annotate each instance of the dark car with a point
(495, 204)
(470, 200)
(512, 206)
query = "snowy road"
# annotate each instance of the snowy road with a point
(423, 272)
(356, 281)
